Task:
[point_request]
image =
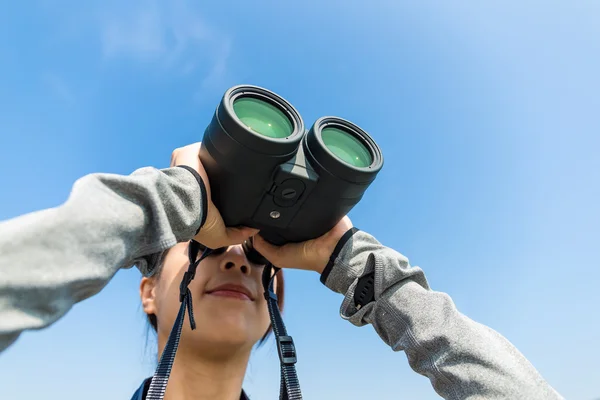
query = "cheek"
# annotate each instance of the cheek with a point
(167, 306)
(264, 318)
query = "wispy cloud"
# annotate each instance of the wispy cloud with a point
(142, 35)
(174, 38)
(217, 76)
(219, 68)
(171, 33)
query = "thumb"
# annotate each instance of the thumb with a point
(240, 234)
(271, 252)
(278, 255)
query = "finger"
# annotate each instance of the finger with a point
(239, 235)
(280, 255)
(269, 251)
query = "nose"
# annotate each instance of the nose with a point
(235, 258)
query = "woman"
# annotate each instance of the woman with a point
(54, 258)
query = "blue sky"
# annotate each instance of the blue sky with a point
(487, 114)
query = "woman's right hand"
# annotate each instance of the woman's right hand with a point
(214, 233)
(311, 255)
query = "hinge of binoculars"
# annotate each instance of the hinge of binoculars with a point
(285, 196)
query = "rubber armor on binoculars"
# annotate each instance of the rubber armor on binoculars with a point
(267, 172)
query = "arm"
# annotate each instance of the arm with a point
(462, 358)
(52, 259)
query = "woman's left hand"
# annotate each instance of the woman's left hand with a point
(311, 255)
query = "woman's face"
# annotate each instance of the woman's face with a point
(229, 308)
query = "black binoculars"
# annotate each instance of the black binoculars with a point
(267, 172)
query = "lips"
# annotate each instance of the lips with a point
(232, 291)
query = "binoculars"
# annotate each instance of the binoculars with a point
(267, 172)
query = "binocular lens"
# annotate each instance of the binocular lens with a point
(346, 147)
(262, 117)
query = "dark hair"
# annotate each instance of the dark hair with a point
(279, 291)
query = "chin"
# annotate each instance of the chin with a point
(230, 332)
(222, 326)
(218, 343)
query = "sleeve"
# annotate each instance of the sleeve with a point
(52, 259)
(462, 358)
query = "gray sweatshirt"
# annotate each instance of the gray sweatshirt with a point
(52, 259)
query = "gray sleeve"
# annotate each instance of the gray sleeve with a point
(462, 358)
(52, 259)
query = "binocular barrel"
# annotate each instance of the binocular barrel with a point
(267, 172)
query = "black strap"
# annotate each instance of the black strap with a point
(158, 385)
(290, 385)
(364, 293)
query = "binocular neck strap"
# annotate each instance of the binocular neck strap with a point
(290, 385)
(158, 385)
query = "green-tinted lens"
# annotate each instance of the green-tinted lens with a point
(346, 147)
(262, 117)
